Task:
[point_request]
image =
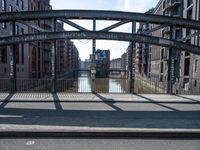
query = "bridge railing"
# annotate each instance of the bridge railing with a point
(142, 85)
(157, 85)
(79, 85)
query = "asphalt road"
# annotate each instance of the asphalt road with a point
(102, 114)
(99, 144)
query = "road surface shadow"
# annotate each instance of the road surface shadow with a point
(101, 118)
(6, 100)
(56, 101)
(109, 102)
(159, 104)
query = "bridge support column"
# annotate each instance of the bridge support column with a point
(53, 60)
(170, 75)
(132, 61)
(13, 87)
(93, 57)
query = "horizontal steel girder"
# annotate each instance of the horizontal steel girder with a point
(99, 15)
(100, 36)
(73, 24)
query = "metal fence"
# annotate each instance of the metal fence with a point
(156, 85)
(151, 85)
(189, 86)
(80, 85)
(5, 85)
(142, 85)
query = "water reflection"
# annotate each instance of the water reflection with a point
(105, 85)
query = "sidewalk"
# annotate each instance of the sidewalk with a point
(87, 97)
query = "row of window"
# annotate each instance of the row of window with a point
(19, 3)
(17, 28)
(3, 55)
(5, 70)
(189, 3)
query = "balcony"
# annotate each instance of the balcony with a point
(172, 5)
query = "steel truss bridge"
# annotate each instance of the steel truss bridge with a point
(67, 17)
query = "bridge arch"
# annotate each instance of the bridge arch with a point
(104, 34)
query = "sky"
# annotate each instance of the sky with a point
(117, 48)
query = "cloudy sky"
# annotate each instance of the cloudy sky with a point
(117, 48)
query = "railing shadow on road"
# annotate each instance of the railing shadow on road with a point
(109, 102)
(6, 100)
(56, 101)
(159, 104)
(116, 117)
(191, 99)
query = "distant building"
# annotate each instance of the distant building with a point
(124, 62)
(116, 63)
(102, 63)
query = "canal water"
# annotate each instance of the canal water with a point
(103, 85)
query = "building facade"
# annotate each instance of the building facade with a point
(21, 54)
(33, 60)
(102, 62)
(185, 66)
(116, 63)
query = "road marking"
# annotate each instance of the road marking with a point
(29, 143)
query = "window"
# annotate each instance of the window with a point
(17, 29)
(34, 59)
(162, 53)
(17, 2)
(190, 2)
(196, 65)
(3, 5)
(164, 5)
(22, 4)
(195, 83)
(17, 54)
(11, 8)
(162, 67)
(22, 31)
(189, 14)
(3, 55)
(4, 25)
(187, 67)
(22, 53)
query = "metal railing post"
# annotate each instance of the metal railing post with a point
(132, 61)
(170, 76)
(13, 63)
(53, 60)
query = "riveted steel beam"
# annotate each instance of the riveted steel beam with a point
(114, 26)
(99, 15)
(155, 29)
(101, 36)
(31, 25)
(190, 36)
(73, 24)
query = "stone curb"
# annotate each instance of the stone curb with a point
(106, 133)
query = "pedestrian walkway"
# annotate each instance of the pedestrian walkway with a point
(87, 97)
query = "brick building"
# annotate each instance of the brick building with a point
(6, 30)
(102, 63)
(34, 59)
(116, 63)
(185, 66)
